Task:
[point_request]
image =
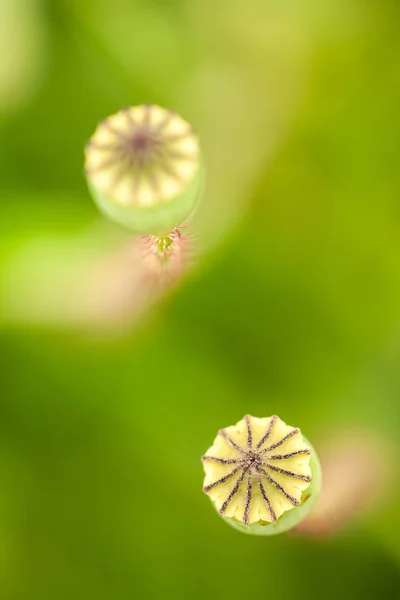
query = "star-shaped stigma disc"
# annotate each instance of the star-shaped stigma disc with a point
(257, 469)
(142, 156)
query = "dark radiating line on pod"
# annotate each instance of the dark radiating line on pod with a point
(147, 112)
(249, 432)
(281, 441)
(104, 147)
(272, 481)
(181, 156)
(111, 162)
(136, 180)
(290, 455)
(288, 473)
(234, 491)
(223, 461)
(248, 500)
(265, 497)
(268, 432)
(176, 137)
(211, 486)
(231, 442)
(170, 172)
(117, 132)
(167, 119)
(118, 175)
(131, 121)
(154, 182)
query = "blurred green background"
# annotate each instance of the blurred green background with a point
(293, 306)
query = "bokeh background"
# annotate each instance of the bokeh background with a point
(292, 306)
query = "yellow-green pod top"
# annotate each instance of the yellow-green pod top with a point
(144, 170)
(262, 475)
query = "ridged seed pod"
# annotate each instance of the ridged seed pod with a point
(262, 475)
(144, 170)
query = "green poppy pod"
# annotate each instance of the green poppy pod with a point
(262, 475)
(144, 170)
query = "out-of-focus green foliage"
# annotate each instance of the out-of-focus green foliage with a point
(293, 308)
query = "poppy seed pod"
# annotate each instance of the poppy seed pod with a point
(144, 169)
(262, 475)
